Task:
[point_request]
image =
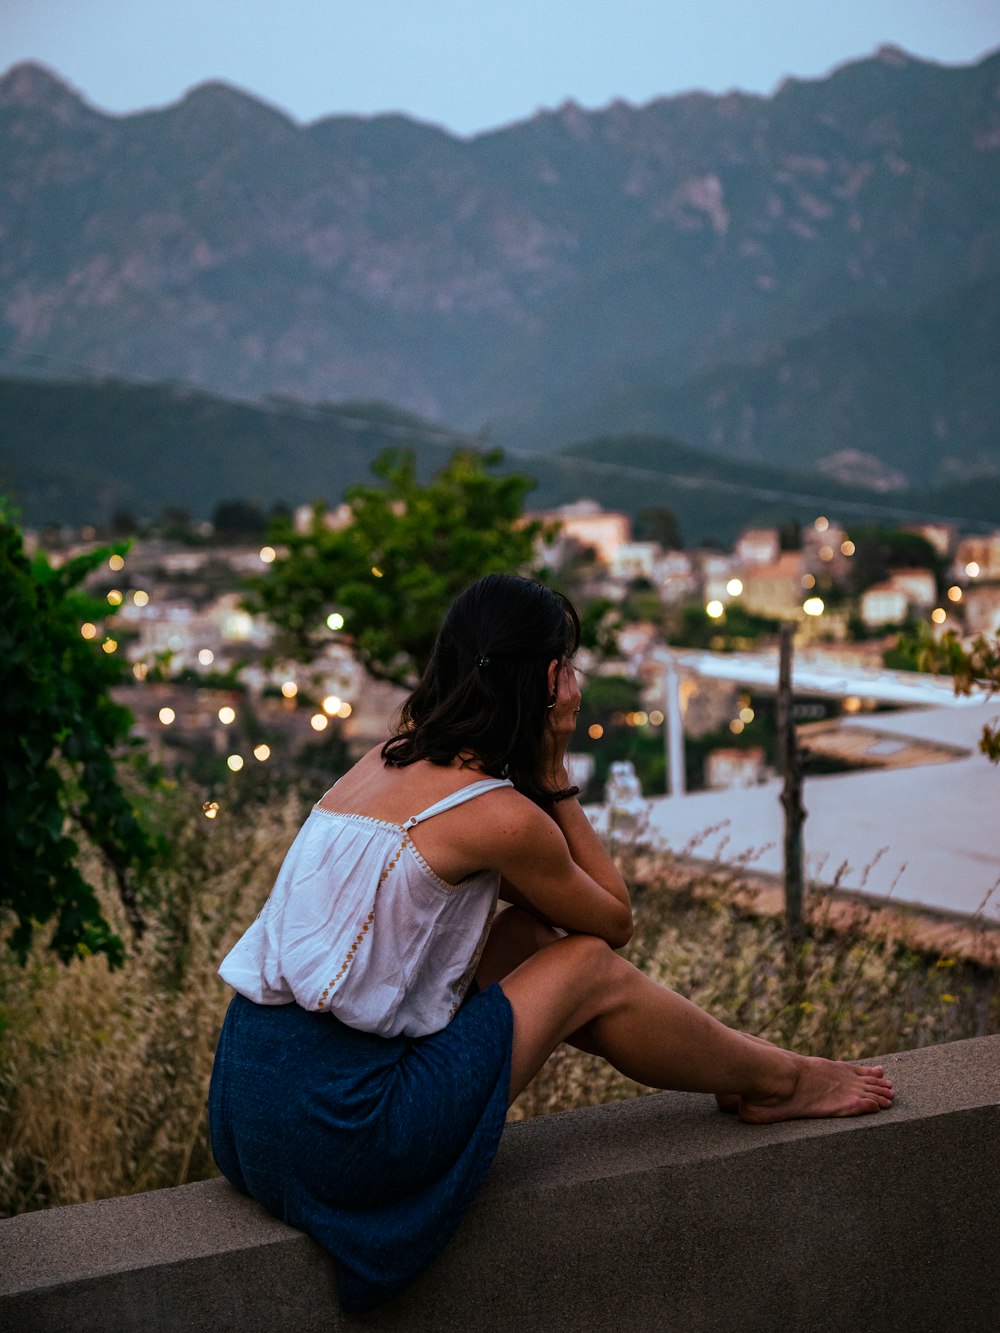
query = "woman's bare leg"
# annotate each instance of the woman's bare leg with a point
(580, 990)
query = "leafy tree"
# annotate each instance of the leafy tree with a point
(392, 572)
(878, 551)
(59, 732)
(734, 630)
(235, 519)
(974, 666)
(658, 524)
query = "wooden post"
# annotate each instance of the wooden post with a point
(791, 793)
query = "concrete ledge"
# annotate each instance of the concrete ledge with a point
(657, 1214)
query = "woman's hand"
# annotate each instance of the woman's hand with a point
(565, 690)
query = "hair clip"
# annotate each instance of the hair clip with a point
(482, 661)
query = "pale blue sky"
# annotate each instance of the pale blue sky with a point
(469, 64)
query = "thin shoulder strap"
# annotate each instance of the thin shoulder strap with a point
(458, 798)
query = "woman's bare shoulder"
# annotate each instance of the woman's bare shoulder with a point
(506, 813)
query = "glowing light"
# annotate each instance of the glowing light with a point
(734, 587)
(641, 718)
(847, 548)
(826, 552)
(954, 593)
(110, 645)
(747, 715)
(813, 606)
(736, 726)
(227, 715)
(262, 753)
(319, 722)
(289, 689)
(821, 524)
(140, 670)
(378, 573)
(167, 716)
(235, 762)
(714, 609)
(206, 657)
(972, 569)
(115, 597)
(140, 597)
(345, 710)
(335, 620)
(116, 562)
(595, 731)
(88, 630)
(807, 581)
(852, 704)
(331, 704)
(939, 615)
(656, 718)
(268, 554)
(211, 809)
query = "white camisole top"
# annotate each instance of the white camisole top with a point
(359, 926)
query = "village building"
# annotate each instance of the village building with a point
(587, 526)
(981, 603)
(729, 767)
(776, 590)
(918, 585)
(757, 546)
(635, 560)
(883, 604)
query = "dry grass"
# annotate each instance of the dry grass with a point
(103, 1076)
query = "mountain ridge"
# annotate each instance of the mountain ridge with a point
(512, 278)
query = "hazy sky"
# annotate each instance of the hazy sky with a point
(469, 64)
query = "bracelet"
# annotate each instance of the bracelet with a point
(564, 794)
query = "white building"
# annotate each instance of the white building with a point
(757, 546)
(635, 560)
(589, 526)
(883, 604)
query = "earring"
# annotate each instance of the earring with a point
(552, 704)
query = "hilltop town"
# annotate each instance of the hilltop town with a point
(206, 687)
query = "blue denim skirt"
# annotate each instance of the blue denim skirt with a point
(374, 1146)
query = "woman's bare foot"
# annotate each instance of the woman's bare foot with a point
(822, 1088)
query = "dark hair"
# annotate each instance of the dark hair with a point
(485, 690)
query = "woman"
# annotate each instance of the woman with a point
(385, 1018)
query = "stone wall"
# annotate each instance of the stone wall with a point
(656, 1214)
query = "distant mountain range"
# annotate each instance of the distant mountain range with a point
(77, 453)
(808, 280)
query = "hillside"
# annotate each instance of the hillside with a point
(876, 398)
(510, 279)
(76, 453)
